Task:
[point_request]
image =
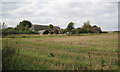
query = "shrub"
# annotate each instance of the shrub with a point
(78, 30)
(51, 32)
(70, 26)
(46, 32)
(104, 32)
(14, 31)
(73, 31)
(117, 31)
(63, 31)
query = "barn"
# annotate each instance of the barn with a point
(42, 28)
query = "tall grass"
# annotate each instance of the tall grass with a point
(70, 52)
(8, 51)
(12, 59)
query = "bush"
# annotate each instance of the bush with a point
(14, 31)
(63, 31)
(117, 31)
(46, 32)
(73, 31)
(78, 30)
(104, 32)
(51, 32)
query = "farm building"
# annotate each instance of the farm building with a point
(42, 28)
(95, 29)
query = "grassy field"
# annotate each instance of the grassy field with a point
(83, 52)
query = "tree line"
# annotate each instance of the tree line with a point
(24, 28)
(70, 29)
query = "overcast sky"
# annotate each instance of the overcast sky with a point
(103, 13)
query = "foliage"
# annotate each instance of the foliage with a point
(63, 31)
(78, 30)
(104, 32)
(51, 31)
(51, 26)
(94, 26)
(22, 28)
(45, 32)
(117, 31)
(73, 31)
(24, 25)
(70, 26)
(11, 30)
(86, 27)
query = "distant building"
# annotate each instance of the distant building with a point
(95, 29)
(42, 28)
(56, 29)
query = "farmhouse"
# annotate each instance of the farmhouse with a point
(42, 28)
(95, 29)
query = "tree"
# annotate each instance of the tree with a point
(70, 26)
(86, 27)
(51, 29)
(45, 32)
(73, 31)
(87, 23)
(78, 30)
(63, 31)
(51, 32)
(95, 26)
(26, 27)
(25, 24)
(51, 26)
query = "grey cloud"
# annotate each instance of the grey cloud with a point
(60, 13)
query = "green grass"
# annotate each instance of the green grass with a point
(70, 52)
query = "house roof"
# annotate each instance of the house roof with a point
(39, 27)
(95, 29)
(42, 27)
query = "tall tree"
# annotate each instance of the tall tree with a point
(86, 27)
(51, 26)
(70, 26)
(51, 29)
(22, 25)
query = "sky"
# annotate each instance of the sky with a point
(103, 13)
